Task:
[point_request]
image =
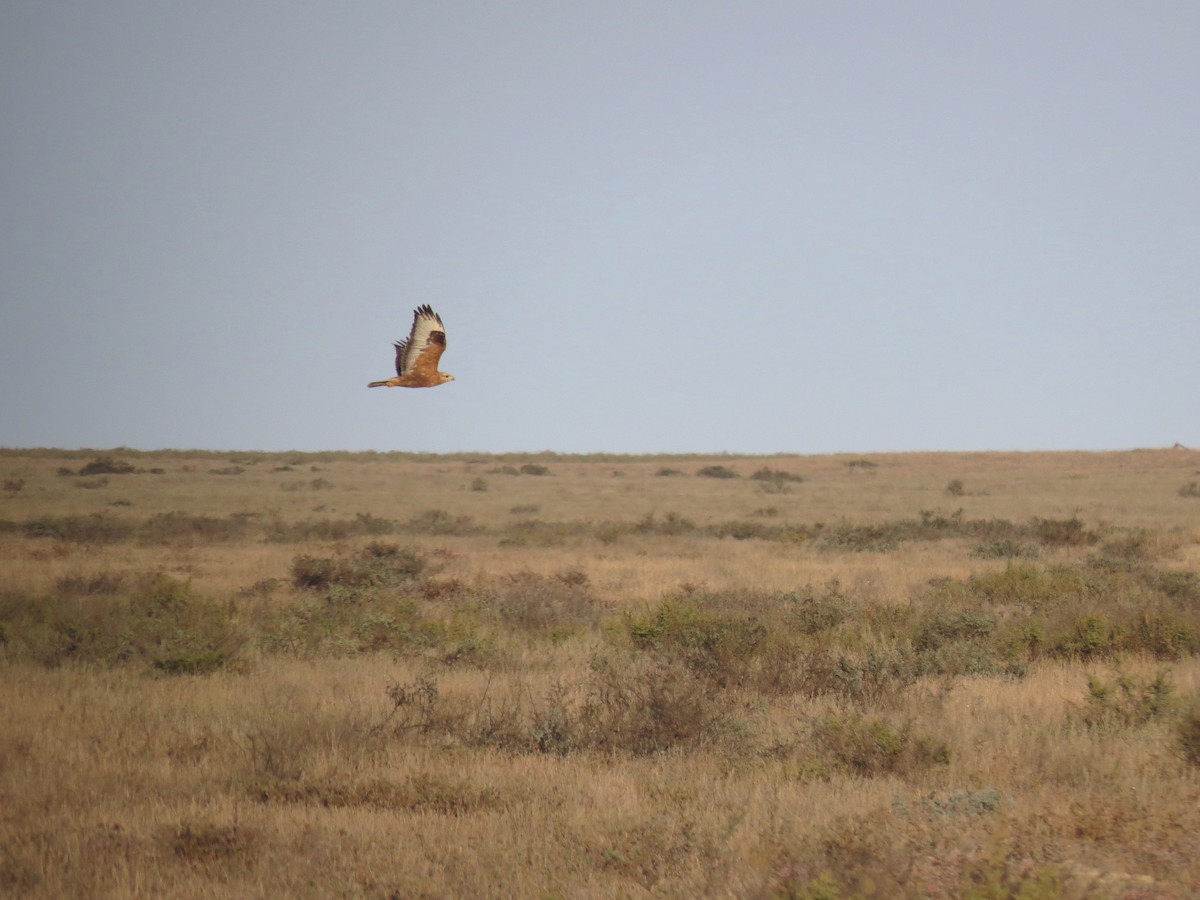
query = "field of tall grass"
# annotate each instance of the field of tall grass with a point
(412, 675)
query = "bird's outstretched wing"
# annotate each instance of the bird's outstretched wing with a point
(420, 352)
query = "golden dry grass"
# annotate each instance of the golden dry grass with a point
(593, 688)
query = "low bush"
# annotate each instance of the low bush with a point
(438, 521)
(649, 706)
(717, 472)
(1083, 612)
(1063, 532)
(377, 564)
(362, 525)
(717, 645)
(174, 527)
(153, 619)
(1005, 548)
(548, 606)
(97, 584)
(93, 529)
(776, 476)
(633, 706)
(1187, 731)
(107, 465)
(872, 746)
(1125, 701)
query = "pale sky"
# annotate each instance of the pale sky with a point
(754, 227)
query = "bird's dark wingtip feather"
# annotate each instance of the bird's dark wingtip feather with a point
(426, 310)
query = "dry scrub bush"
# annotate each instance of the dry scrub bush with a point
(1125, 702)
(1094, 611)
(377, 564)
(625, 706)
(438, 521)
(362, 525)
(1187, 731)
(871, 747)
(158, 621)
(541, 606)
(107, 465)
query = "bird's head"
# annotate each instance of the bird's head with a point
(445, 376)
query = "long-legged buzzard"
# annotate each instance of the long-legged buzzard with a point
(417, 358)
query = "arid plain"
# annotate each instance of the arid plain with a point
(401, 675)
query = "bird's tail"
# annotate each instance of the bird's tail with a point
(377, 384)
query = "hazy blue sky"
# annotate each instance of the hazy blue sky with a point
(649, 226)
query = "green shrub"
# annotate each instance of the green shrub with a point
(813, 611)
(744, 531)
(93, 529)
(438, 521)
(154, 619)
(1092, 635)
(278, 531)
(1187, 731)
(672, 524)
(944, 626)
(173, 527)
(1063, 532)
(1179, 587)
(871, 747)
(861, 538)
(554, 606)
(1005, 548)
(718, 646)
(98, 584)
(1094, 611)
(965, 803)
(645, 707)
(776, 476)
(717, 472)
(1026, 585)
(874, 678)
(377, 564)
(107, 465)
(629, 706)
(1125, 701)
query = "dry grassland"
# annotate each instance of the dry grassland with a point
(396, 675)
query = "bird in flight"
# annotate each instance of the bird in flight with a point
(417, 357)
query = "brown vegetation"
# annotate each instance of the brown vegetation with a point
(350, 674)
